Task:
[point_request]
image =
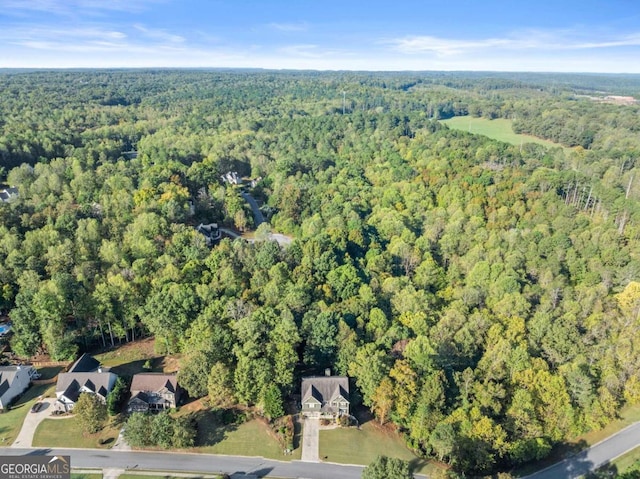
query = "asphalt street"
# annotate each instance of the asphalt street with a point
(594, 457)
(198, 463)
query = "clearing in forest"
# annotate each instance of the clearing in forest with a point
(499, 129)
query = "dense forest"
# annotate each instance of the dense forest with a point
(483, 297)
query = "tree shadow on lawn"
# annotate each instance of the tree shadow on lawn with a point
(49, 372)
(418, 464)
(212, 428)
(136, 367)
(362, 414)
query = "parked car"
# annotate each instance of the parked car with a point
(36, 407)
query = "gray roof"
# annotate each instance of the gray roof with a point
(325, 388)
(7, 194)
(70, 383)
(85, 364)
(153, 382)
(8, 375)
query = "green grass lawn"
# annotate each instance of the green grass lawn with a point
(68, 433)
(361, 446)
(499, 129)
(11, 420)
(130, 359)
(628, 460)
(49, 372)
(252, 438)
(75, 475)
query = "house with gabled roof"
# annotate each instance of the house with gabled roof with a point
(14, 380)
(153, 392)
(8, 194)
(86, 375)
(325, 396)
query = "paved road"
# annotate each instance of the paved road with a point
(594, 457)
(258, 217)
(198, 463)
(310, 439)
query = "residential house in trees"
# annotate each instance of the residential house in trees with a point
(325, 396)
(14, 380)
(153, 392)
(211, 233)
(8, 194)
(86, 375)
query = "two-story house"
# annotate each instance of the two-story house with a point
(153, 392)
(85, 376)
(325, 396)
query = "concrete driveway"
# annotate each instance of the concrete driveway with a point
(31, 421)
(310, 440)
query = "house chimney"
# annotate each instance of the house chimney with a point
(327, 372)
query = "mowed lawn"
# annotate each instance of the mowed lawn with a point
(361, 446)
(498, 129)
(67, 432)
(11, 420)
(627, 461)
(252, 438)
(130, 358)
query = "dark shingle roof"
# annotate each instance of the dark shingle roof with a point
(70, 383)
(325, 388)
(85, 364)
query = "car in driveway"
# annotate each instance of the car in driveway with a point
(36, 407)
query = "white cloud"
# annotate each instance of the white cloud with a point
(527, 40)
(158, 34)
(70, 7)
(289, 27)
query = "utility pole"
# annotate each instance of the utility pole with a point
(344, 100)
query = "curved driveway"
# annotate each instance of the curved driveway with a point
(30, 424)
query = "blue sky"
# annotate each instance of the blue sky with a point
(514, 35)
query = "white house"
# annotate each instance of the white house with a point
(14, 380)
(85, 376)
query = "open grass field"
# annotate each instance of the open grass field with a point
(498, 129)
(79, 475)
(68, 433)
(11, 420)
(252, 438)
(361, 446)
(129, 359)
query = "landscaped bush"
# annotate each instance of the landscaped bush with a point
(284, 429)
(160, 430)
(345, 421)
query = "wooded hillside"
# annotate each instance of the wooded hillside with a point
(484, 297)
